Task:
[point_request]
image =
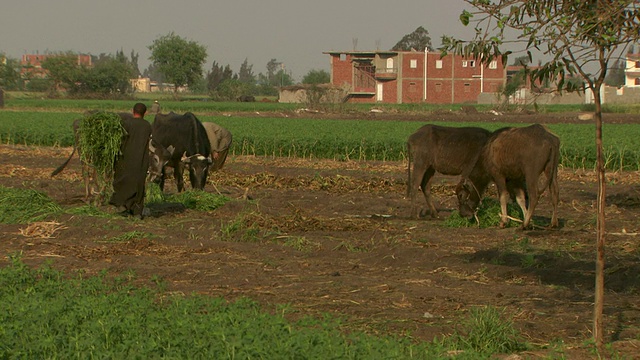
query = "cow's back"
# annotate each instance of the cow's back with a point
(449, 150)
(184, 132)
(513, 151)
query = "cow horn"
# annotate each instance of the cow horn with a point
(185, 159)
(152, 147)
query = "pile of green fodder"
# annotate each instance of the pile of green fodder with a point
(487, 215)
(100, 138)
(191, 199)
(22, 206)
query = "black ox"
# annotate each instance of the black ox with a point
(514, 159)
(186, 141)
(446, 150)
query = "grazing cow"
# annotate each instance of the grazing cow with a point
(513, 159)
(191, 147)
(220, 140)
(447, 150)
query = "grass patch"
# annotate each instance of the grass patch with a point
(198, 200)
(49, 315)
(488, 215)
(486, 331)
(248, 227)
(88, 210)
(21, 206)
(299, 243)
(191, 199)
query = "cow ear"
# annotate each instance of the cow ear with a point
(171, 149)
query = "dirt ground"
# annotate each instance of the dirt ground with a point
(334, 237)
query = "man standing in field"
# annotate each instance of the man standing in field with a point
(131, 166)
(155, 108)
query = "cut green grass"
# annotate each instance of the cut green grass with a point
(191, 199)
(488, 215)
(22, 206)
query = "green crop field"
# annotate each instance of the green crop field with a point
(335, 139)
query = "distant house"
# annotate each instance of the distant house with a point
(412, 77)
(141, 84)
(632, 71)
(31, 64)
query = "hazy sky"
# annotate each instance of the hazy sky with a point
(295, 32)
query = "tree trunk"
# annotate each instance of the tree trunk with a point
(598, 331)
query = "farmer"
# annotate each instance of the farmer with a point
(132, 165)
(155, 108)
(220, 139)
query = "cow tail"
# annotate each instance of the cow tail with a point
(409, 169)
(61, 167)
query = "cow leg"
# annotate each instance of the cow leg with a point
(163, 175)
(553, 189)
(178, 176)
(517, 190)
(552, 179)
(521, 199)
(426, 191)
(504, 197)
(415, 180)
(534, 196)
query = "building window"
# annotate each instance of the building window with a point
(467, 87)
(472, 63)
(412, 87)
(413, 63)
(464, 63)
(637, 64)
(438, 87)
(390, 63)
(637, 82)
(493, 64)
(343, 57)
(438, 64)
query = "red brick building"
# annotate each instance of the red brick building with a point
(412, 77)
(31, 64)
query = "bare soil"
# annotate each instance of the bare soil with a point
(335, 237)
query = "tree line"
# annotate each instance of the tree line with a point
(174, 60)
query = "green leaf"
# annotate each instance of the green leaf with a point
(465, 17)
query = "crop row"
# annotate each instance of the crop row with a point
(338, 139)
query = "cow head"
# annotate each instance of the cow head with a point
(198, 169)
(158, 157)
(468, 198)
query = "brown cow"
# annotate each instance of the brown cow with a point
(513, 159)
(447, 150)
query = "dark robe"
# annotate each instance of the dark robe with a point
(131, 166)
